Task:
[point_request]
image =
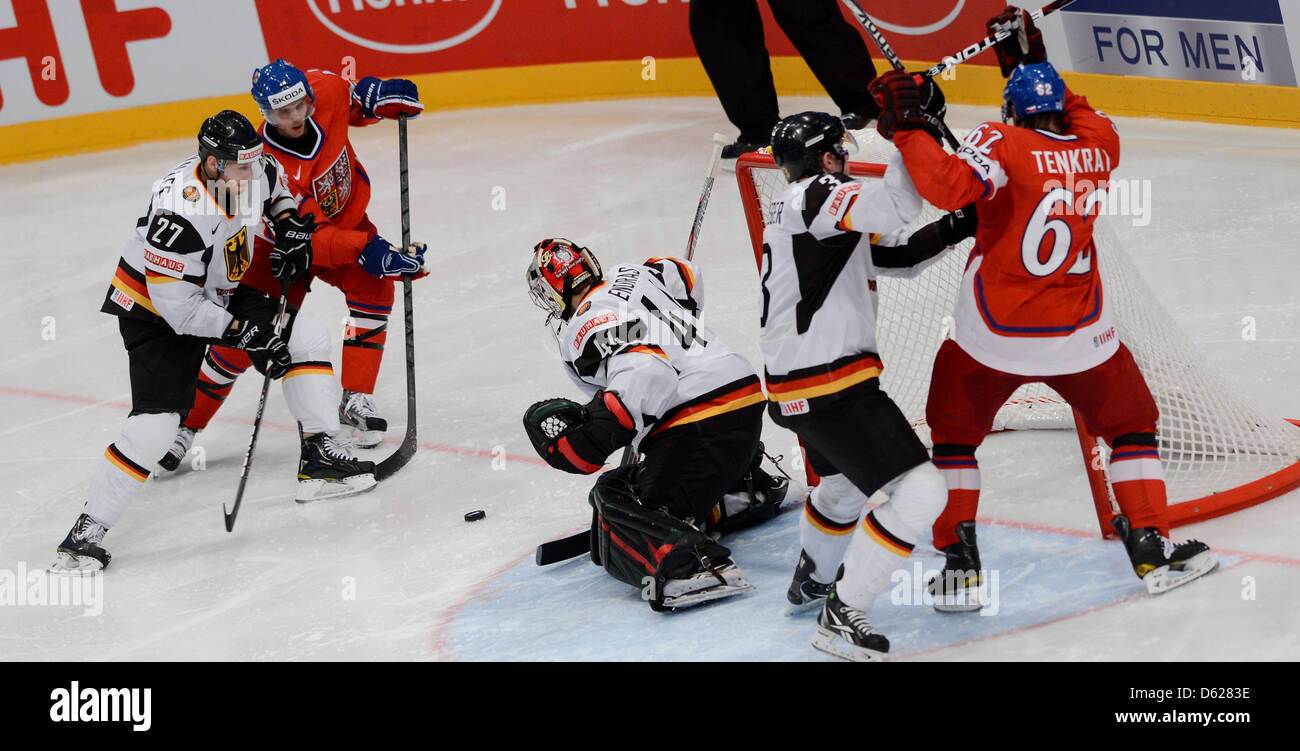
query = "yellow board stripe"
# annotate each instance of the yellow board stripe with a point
(1240, 103)
(130, 471)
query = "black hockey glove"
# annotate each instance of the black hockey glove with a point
(579, 438)
(958, 225)
(291, 256)
(908, 102)
(1025, 45)
(260, 337)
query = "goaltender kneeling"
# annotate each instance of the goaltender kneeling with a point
(664, 387)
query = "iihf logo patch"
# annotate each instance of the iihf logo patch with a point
(796, 407)
(190, 193)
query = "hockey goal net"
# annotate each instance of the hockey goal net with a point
(1221, 451)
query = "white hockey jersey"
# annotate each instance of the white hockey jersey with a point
(818, 324)
(638, 334)
(191, 247)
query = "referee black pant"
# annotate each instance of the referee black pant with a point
(728, 36)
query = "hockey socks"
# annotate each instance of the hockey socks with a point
(1139, 481)
(961, 473)
(887, 535)
(363, 345)
(829, 518)
(127, 464)
(221, 366)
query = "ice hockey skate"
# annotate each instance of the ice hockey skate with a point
(956, 589)
(806, 592)
(718, 579)
(845, 631)
(179, 449)
(80, 553)
(358, 411)
(1159, 562)
(328, 470)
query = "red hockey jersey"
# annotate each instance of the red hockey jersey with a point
(329, 180)
(1031, 300)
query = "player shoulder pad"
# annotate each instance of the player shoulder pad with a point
(829, 194)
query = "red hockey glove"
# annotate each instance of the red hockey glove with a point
(908, 102)
(1024, 45)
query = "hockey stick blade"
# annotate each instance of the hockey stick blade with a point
(388, 467)
(563, 549)
(978, 47)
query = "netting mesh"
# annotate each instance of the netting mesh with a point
(1211, 438)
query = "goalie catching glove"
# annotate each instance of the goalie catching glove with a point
(579, 438)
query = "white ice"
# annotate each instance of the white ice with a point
(398, 574)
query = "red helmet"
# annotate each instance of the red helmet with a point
(558, 268)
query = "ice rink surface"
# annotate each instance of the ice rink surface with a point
(398, 574)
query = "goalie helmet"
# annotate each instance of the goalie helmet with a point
(799, 141)
(557, 269)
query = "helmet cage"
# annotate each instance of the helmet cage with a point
(557, 269)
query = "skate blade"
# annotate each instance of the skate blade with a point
(964, 600)
(367, 439)
(792, 610)
(1165, 578)
(837, 646)
(69, 565)
(705, 595)
(310, 491)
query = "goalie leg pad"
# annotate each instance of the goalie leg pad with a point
(665, 557)
(754, 499)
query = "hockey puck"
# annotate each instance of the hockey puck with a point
(474, 516)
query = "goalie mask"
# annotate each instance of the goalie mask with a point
(557, 269)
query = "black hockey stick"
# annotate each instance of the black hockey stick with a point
(887, 50)
(978, 47)
(257, 420)
(577, 544)
(564, 548)
(388, 467)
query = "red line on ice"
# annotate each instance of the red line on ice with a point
(126, 407)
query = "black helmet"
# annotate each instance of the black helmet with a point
(230, 137)
(799, 141)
